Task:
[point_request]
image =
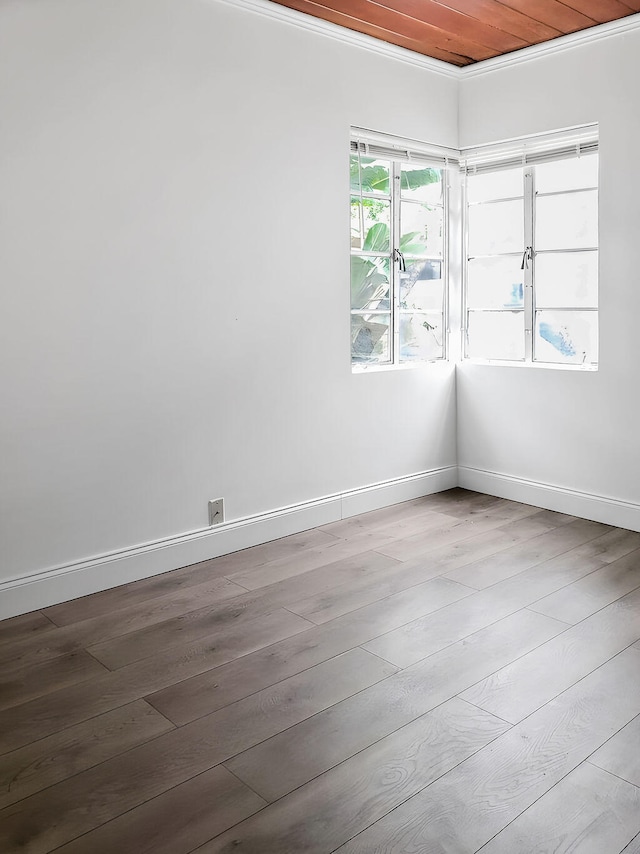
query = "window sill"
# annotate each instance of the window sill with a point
(404, 366)
(536, 365)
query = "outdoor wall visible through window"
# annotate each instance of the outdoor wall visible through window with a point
(397, 258)
(532, 258)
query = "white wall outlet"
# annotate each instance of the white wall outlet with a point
(216, 511)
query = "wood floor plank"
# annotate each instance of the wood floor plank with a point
(288, 567)
(512, 511)
(50, 760)
(175, 822)
(211, 800)
(304, 751)
(326, 812)
(463, 503)
(438, 561)
(401, 528)
(422, 544)
(109, 601)
(612, 545)
(208, 622)
(125, 649)
(432, 594)
(587, 595)
(226, 637)
(422, 637)
(621, 754)
(469, 805)
(63, 708)
(327, 577)
(345, 528)
(19, 686)
(314, 538)
(75, 636)
(24, 626)
(519, 521)
(337, 601)
(56, 816)
(633, 847)
(498, 567)
(590, 811)
(554, 518)
(195, 697)
(525, 685)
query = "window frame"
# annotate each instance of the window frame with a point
(526, 155)
(399, 153)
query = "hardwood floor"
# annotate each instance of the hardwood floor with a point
(458, 673)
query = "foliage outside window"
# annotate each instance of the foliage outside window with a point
(532, 260)
(398, 281)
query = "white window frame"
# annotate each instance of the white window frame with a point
(399, 152)
(527, 153)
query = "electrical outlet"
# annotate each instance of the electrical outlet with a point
(216, 511)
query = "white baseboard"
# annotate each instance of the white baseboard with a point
(395, 491)
(610, 511)
(70, 581)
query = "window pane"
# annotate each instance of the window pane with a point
(370, 339)
(495, 228)
(567, 174)
(506, 184)
(496, 335)
(370, 283)
(569, 337)
(421, 286)
(567, 280)
(369, 175)
(420, 337)
(370, 224)
(423, 184)
(420, 229)
(495, 283)
(567, 222)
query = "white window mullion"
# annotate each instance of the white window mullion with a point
(395, 265)
(529, 263)
(464, 317)
(446, 267)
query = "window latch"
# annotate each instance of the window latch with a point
(399, 257)
(527, 257)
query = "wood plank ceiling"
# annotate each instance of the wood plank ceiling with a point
(462, 32)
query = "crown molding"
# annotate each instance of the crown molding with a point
(342, 34)
(445, 69)
(557, 45)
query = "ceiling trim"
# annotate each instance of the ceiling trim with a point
(485, 66)
(561, 44)
(342, 34)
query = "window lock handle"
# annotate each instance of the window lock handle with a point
(527, 256)
(399, 257)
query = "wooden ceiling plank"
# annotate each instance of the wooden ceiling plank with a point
(369, 12)
(553, 13)
(343, 20)
(601, 11)
(504, 18)
(461, 32)
(456, 23)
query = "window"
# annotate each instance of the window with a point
(398, 254)
(531, 290)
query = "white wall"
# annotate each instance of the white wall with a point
(574, 430)
(174, 269)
